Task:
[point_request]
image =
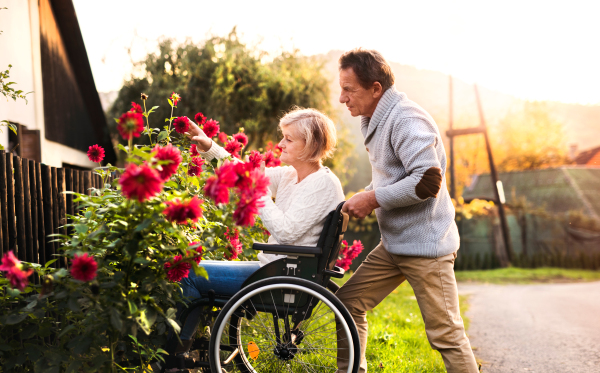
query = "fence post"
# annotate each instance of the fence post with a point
(19, 208)
(27, 210)
(3, 197)
(48, 212)
(10, 193)
(40, 213)
(34, 209)
(55, 214)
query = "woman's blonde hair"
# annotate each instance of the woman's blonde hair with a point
(317, 130)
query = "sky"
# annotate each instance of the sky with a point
(536, 50)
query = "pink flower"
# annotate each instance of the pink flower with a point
(194, 150)
(177, 269)
(84, 268)
(175, 98)
(140, 183)
(130, 125)
(270, 160)
(246, 211)
(167, 153)
(135, 108)
(180, 211)
(233, 147)
(9, 260)
(211, 128)
(195, 166)
(196, 253)
(255, 158)
(235, 246)
(200, 118)
(348, 254)
(223, 137)
(181, 125)
(18, 277)
(241, 138)
(95, 153)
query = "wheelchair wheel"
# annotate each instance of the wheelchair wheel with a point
(283, 324)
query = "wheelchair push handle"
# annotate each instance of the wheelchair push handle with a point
(336, 272)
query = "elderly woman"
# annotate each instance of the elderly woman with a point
(305, 193)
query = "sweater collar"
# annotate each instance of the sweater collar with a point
(387, 102)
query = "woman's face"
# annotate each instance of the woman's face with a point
(291, 145)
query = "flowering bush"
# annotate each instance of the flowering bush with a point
(348, 254)
(128, 246)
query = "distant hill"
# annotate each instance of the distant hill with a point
(430, 89)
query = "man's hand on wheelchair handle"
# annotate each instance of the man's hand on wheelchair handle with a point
(361, 204)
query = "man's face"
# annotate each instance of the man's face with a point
(358, 100)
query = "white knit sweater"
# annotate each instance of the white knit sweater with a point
(300, 208)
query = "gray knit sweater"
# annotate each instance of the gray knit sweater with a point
(416, 217)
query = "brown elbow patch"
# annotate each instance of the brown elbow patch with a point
(430, 183)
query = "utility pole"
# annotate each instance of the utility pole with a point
(451, 133)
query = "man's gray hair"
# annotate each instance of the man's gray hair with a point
(316, 129)
(369, 66)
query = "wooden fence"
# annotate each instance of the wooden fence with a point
(33, 205)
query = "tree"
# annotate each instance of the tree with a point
(229, 82)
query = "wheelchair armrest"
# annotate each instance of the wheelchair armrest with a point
(336, 272)
(288, 249)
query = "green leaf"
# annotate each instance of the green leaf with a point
(83, 347)
(132, 307)
(15, 318)
(200, 271)
(48, 263)
(66, 330)
(115, 319)
(162, 135)
(74, 305)
(81, 228)
(174, 325)
(29, 331)
(145, 224)
(74, 366)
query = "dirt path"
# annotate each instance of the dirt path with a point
(542, 328)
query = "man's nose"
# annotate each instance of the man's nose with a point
(343, 98)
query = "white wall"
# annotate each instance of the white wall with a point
(20, 47)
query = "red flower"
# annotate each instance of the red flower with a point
(213, 189)
(181, 125)
(270, 160)
(194, 150)
(95, 153)
(233, 147)
(223, 137)
(167, 153)
(177, 269)
(197, 253)
(135, 108)
(200, 118)
(84, 267)
(246, 211)
(179, 212)
(234, 246)
(252, 186)
(140, 182)
(241, 138)
(9, 260)
(255, 158)
(175, 98)
(348, 254)
(130, 125)
(211, 128)
(195, 166)
(18, 277)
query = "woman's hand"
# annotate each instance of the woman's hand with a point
(196, 135)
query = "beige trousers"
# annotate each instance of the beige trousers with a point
(434, 284)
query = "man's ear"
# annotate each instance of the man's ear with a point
(377, 90)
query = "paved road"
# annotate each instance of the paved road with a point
(542, 328)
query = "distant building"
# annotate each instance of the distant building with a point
(64, 116)
(589, 157)
(557, 190)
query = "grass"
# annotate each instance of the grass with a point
(397, 340)
(514, 275)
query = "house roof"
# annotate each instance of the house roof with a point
(557, 190)
(589, 157)
(68, 25)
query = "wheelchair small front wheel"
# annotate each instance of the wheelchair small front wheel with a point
(284, 324)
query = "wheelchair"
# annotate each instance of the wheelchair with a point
(285, 318)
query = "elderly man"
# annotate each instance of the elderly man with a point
(419, 237)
